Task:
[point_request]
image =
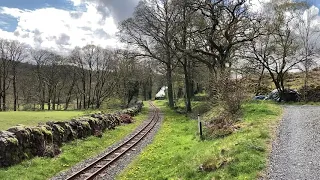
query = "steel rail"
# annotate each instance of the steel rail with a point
(125, 147)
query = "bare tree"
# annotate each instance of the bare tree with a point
(52, 78)
(16, 53)
(152, 29)
(277, 49)
(222, 27)
(41, 58)
(308, 37)
(79, 61)
(72, 79)
(104, 76)
(5, 65)
(127, 77)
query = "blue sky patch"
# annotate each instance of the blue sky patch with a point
(36, 4)
(8, 23)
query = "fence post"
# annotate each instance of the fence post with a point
(200, 126)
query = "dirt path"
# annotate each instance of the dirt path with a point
(296, 152)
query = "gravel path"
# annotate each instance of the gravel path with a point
(122, 163)
(296, 151)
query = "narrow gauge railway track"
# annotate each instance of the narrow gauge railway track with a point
(97, 167)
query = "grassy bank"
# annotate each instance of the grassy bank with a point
(32, 118)
(72, 153)
(177, 152)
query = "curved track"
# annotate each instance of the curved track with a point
(93, 169)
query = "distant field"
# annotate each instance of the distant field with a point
(30, 118)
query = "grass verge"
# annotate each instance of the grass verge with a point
(72, 153)
(177, 152)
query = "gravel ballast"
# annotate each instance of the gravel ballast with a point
(122, 163)
(296, 150)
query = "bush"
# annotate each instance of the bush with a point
(311, 93)
(263, 89)
(126, 118)
(220, 126)
(230, 94)
(28, 107)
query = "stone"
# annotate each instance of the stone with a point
(9, 149)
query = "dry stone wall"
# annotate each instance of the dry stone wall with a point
(22, 142)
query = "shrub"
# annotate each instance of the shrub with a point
(311, 93)
(230, 94)
(126, 118)
(221, 126)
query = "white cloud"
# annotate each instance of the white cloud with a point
(257, 5)
(76, 2)
(60, 29)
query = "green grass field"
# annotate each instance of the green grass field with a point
(31, 118)
(72, 153)
(177, 152)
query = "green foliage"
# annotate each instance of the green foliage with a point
(72, 153)
(177, 152)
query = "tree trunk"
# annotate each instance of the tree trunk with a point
(69, 94)
(4, 95)
(90, 82)
(259, 81)
(77, 103)
(49, 103)
(187, 87)
(43, 98)
(169, 83)
(15, 95)
(98, 103)
(54, 100)
(186, 63)
(150, 89)
(84, 93)
(306, 79)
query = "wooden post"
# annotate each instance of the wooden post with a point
(199, 126)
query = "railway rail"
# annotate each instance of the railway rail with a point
(97, 167)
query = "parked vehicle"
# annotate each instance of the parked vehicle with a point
(290, 95)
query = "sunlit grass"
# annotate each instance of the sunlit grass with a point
(31, 118)
(177, 152)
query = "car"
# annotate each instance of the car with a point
(260, 97)
(290, 95)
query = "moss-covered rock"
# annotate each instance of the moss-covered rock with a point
(69, 133)
(82, 127)
(37, 141)
(23, 135)
(9, 149)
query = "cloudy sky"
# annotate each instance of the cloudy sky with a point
(63, 24)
